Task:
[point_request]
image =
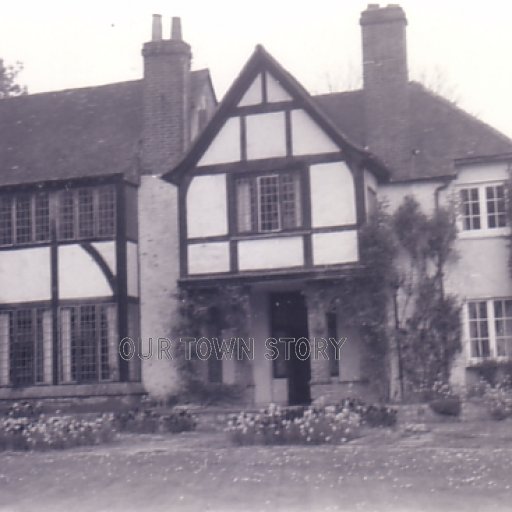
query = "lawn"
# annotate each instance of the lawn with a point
(456, 467)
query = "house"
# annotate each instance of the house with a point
(78, 202)
(264, 194)
(273, 193)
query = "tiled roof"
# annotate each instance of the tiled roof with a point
(85, 132)
(96, 131)
(440, 132)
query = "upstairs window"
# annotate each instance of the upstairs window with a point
(268, 203)
(483, 207)
(86, 213)
(24, 218)
(496, 206)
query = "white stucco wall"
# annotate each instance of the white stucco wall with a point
(252, 95)
(275, 91)
(79, 275)
(424, 192)
(270, 253)
(107, 251)
(207, 206)
(225, 147)
(25, 275)
(308, 137)
(205, 258)
(159, 273)
(266, 135)
(332, 195)
(333, 248)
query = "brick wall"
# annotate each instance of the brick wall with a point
(386, 84)
(166, 104)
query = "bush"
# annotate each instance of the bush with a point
(150, 421)
(371, 414)
(498, 401)
(447, 406)
(442, 399)
(314, 426)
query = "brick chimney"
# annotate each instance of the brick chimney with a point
(166, 131)
(385, 79)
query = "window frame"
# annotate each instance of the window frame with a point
(254, 179)
(484, 214)
(493, 335)
(44, 206)
(10, 204)
(96, 223)
(36, 361)
(100, 344)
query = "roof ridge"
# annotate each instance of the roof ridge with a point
(71, 89)
(337, 93)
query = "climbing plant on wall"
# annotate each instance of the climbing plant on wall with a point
(428, 318)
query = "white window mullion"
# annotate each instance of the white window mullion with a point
(492, 328)
(482, 196)
(465, 332)
(279, 199)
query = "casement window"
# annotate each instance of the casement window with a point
(268, 203)
(86, 213)
(25, 346)
(490, 328)
(24, 218)
(88, 343)
(483, 207)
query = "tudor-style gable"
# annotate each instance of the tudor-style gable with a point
(271, 185)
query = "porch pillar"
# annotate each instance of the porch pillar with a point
(243, 367)
(317, 327)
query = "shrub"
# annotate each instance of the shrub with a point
(274, 426)
(371, 414)
(447, 406)
(443, 400)
(498, 401)
(150, 421)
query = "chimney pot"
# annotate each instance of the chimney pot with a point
(176, 29)
(157, 28)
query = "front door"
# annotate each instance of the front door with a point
(289, 320)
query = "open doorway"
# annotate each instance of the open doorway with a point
(289, 320)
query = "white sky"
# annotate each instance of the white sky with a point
(74, 43)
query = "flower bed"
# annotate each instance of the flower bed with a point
(276, 426)
(54, 432)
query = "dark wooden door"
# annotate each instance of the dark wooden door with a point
(289, 320)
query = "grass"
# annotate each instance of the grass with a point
(202, 471)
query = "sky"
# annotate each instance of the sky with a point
(461, 48)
